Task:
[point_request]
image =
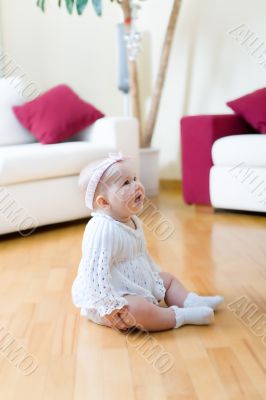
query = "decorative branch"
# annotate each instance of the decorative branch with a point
(132, 69)
(157, 93)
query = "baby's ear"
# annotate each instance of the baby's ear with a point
(101, 202)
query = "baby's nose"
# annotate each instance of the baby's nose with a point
(137, 184)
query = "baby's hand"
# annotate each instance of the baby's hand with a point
(115, 319)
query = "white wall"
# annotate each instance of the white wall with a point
(207, 66)
(55, 47)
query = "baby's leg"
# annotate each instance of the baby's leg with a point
(143, 314)
(177, 294)
(147, 316)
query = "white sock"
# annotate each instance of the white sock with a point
(194, 300)
(194, 316)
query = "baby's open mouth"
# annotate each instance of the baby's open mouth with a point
(138, 198)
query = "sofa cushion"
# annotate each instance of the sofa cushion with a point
(56, 115)
(248, 149)
(252, 108)
(11, 131)
(34, 161)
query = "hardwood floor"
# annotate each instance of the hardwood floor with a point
(210, 252)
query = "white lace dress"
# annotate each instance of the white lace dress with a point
(114, 262)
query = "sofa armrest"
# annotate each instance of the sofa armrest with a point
(119, 133)
(198, 133)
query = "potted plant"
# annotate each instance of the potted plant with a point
(149, 156)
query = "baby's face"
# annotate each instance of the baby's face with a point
(124, 192)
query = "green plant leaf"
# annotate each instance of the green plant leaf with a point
(97, 5)
(41, 4)
(69, 5)
(81, 5)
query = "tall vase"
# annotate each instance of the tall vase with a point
(149, 170)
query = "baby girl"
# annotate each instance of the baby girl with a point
(118, 284)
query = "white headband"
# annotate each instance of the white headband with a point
(98, 172)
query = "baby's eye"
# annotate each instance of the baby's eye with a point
(126, 182)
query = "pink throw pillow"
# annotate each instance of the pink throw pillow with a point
(56, 115)
(252, 107)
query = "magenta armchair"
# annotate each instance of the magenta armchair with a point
(198, 133)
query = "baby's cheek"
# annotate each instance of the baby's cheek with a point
(125, 194)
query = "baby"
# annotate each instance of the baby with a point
(118, 284)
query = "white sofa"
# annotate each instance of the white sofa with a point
(38, 183)
(223, 163)
(238, 176)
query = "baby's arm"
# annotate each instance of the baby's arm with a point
(99, 283)
(92, 288)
